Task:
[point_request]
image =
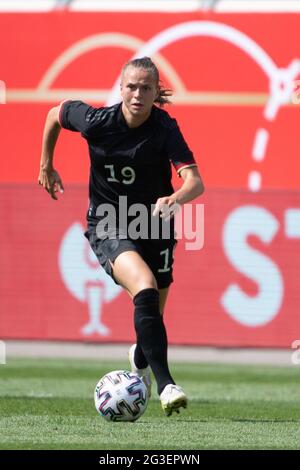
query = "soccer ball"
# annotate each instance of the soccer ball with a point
(121, 396)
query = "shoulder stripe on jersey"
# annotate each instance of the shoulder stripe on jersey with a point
(185, 166)
(60, 110)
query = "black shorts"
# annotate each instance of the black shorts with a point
(157, 254)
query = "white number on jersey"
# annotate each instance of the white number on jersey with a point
(127, 172)
(167, 260)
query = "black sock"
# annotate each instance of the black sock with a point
(151, 335)
(139, 357)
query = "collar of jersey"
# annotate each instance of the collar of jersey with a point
(122, 122)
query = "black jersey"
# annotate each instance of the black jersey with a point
(131, 162)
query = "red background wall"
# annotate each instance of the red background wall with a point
(260, 255)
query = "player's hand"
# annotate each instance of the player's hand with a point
(51, 181)
(166, 207)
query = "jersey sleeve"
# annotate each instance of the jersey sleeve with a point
(178, 151)
(78, 116)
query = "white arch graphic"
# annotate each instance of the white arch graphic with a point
(97, 41)
(281, 80)
(203, 28)
(43, 92)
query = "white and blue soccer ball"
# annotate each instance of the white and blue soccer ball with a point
(121, 396)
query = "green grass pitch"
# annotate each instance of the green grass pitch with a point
(48, 404)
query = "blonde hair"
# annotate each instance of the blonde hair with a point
(147, 64)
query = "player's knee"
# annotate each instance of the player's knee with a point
(145, 283)
(143, 279)
(148, 297)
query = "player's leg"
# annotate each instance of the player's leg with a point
(172, 396)
(131, 271)
(160, 258)
(123, 261)
(136, 355)
(138, 362)
(163, 295)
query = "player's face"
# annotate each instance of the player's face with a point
(138, 90)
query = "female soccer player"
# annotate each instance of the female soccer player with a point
(131, 146)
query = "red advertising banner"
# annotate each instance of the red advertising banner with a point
(240, 289)
(236, 100)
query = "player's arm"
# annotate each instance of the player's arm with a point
(191, 188)
(48, 176)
